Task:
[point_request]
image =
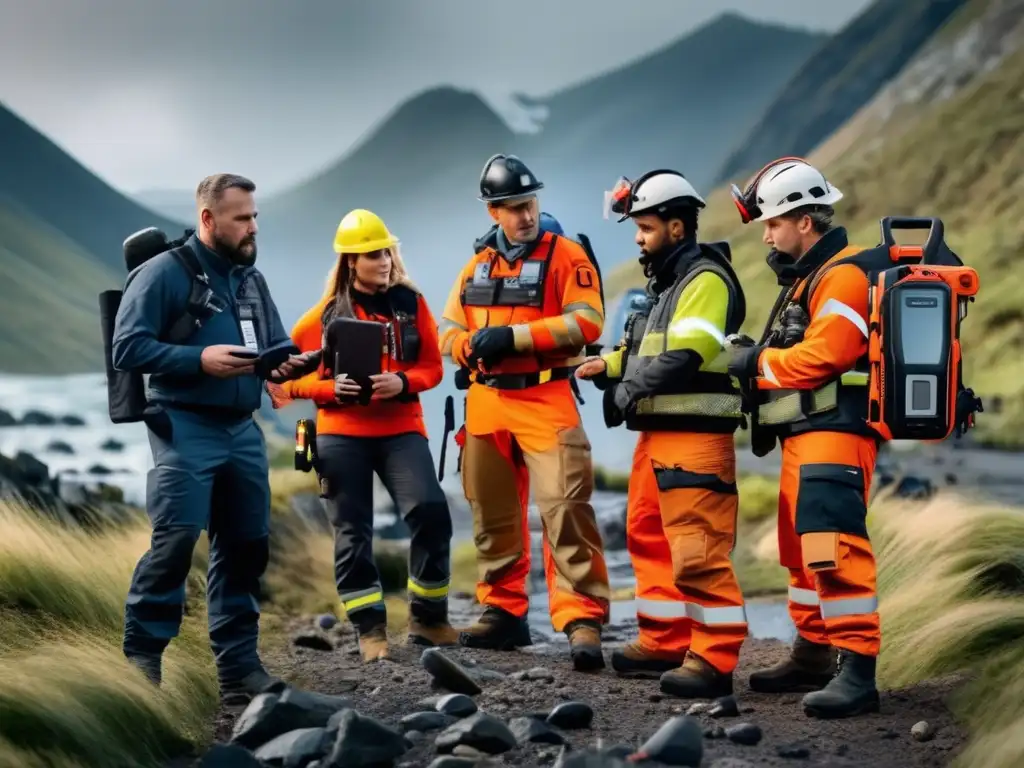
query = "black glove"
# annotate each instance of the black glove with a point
(490, 345)
(743, 355)
(967, 404)
(794, 323)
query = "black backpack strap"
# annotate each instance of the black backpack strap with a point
(191, 318)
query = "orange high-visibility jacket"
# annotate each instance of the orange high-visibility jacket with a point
(551, 299)
(380, 418)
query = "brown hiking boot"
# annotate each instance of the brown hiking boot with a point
(636, 661)
(585, 645)
(373, 644)
(696, 679)
(496, 630)
(434, 634)
(809, 667)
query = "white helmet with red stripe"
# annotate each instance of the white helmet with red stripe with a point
(653, 192)
(782, 186)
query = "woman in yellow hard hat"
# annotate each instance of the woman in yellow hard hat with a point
(378, 429)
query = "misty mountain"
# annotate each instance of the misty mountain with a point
(684, 106)
(836, 80)
(42, 179)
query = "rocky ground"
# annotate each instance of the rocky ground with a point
(515, 693)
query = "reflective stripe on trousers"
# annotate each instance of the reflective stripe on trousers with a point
(700, 614)
(845, 606)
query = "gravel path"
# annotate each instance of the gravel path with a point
(626, 712)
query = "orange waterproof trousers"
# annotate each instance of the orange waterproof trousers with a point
(680, 532)
(522, 440)
(823, 540)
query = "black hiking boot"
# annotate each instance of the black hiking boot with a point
(851, 692)
(810, 667)
(496, 630)
(239, 692)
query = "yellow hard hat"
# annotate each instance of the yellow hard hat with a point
(362, 231)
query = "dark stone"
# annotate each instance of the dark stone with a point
(679, 741)
(447, 673)
(423, 721)
(571, 714)
(362, 741)
(531, 730)
(481, 731)
(295, 749)
(744, 733)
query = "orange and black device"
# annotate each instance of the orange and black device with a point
(305, 445)
(916, 308)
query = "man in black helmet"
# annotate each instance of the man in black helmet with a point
(519, 317)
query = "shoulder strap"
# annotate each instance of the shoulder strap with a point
(187, 321)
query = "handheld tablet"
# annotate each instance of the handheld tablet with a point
(245, 354)
(270, 359)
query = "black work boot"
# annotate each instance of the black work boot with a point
(696, 679)
(150, 666)
(496, 630)
(633, 660)
(236, 692)
(809, 667)
(851, 692)
(585, 645)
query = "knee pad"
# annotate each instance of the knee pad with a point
(830, 502)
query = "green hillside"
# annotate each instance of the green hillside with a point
(48, 296)
(960, 158)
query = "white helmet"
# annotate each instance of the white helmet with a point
(782, 186)
(652, 192)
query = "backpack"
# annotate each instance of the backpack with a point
(126, 391)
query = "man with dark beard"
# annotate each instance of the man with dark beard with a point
(209, 454)
(668, 382)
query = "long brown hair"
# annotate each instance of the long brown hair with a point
(338, 287)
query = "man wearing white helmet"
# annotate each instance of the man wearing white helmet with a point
(808, 374)
(668, 382)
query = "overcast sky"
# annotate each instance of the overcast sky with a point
(158, 93)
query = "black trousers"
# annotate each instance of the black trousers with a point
(405, 466)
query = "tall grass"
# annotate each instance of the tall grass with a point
(951, 576)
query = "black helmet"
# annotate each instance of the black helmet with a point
(506, 177)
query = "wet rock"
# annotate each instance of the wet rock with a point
(724, 707)
(744, 733)
(423, 721)
(326, 621)
(793, 751)
(456, 705)
(295, 749)
(449, 761)
(59, 446)
(540, 673)
(698, 708)
(466, 751)
(481, 731)
(714, 732)
(312, 640)
(228, 756)
(270, 715)
(363, 741)
(530, 730)
(913, 487)
(100, 469)
(112, 445)
(447, 673)
(571, 714)
(922, 731)
(70, 420)
(415, 737)
(7, 419)
(679, 741)
(35, 418)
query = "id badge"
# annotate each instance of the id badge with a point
(249, 336)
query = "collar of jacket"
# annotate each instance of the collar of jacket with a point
(789, 271)
(511, 252)
(213, 260)
(675, 264)
(373, 303)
